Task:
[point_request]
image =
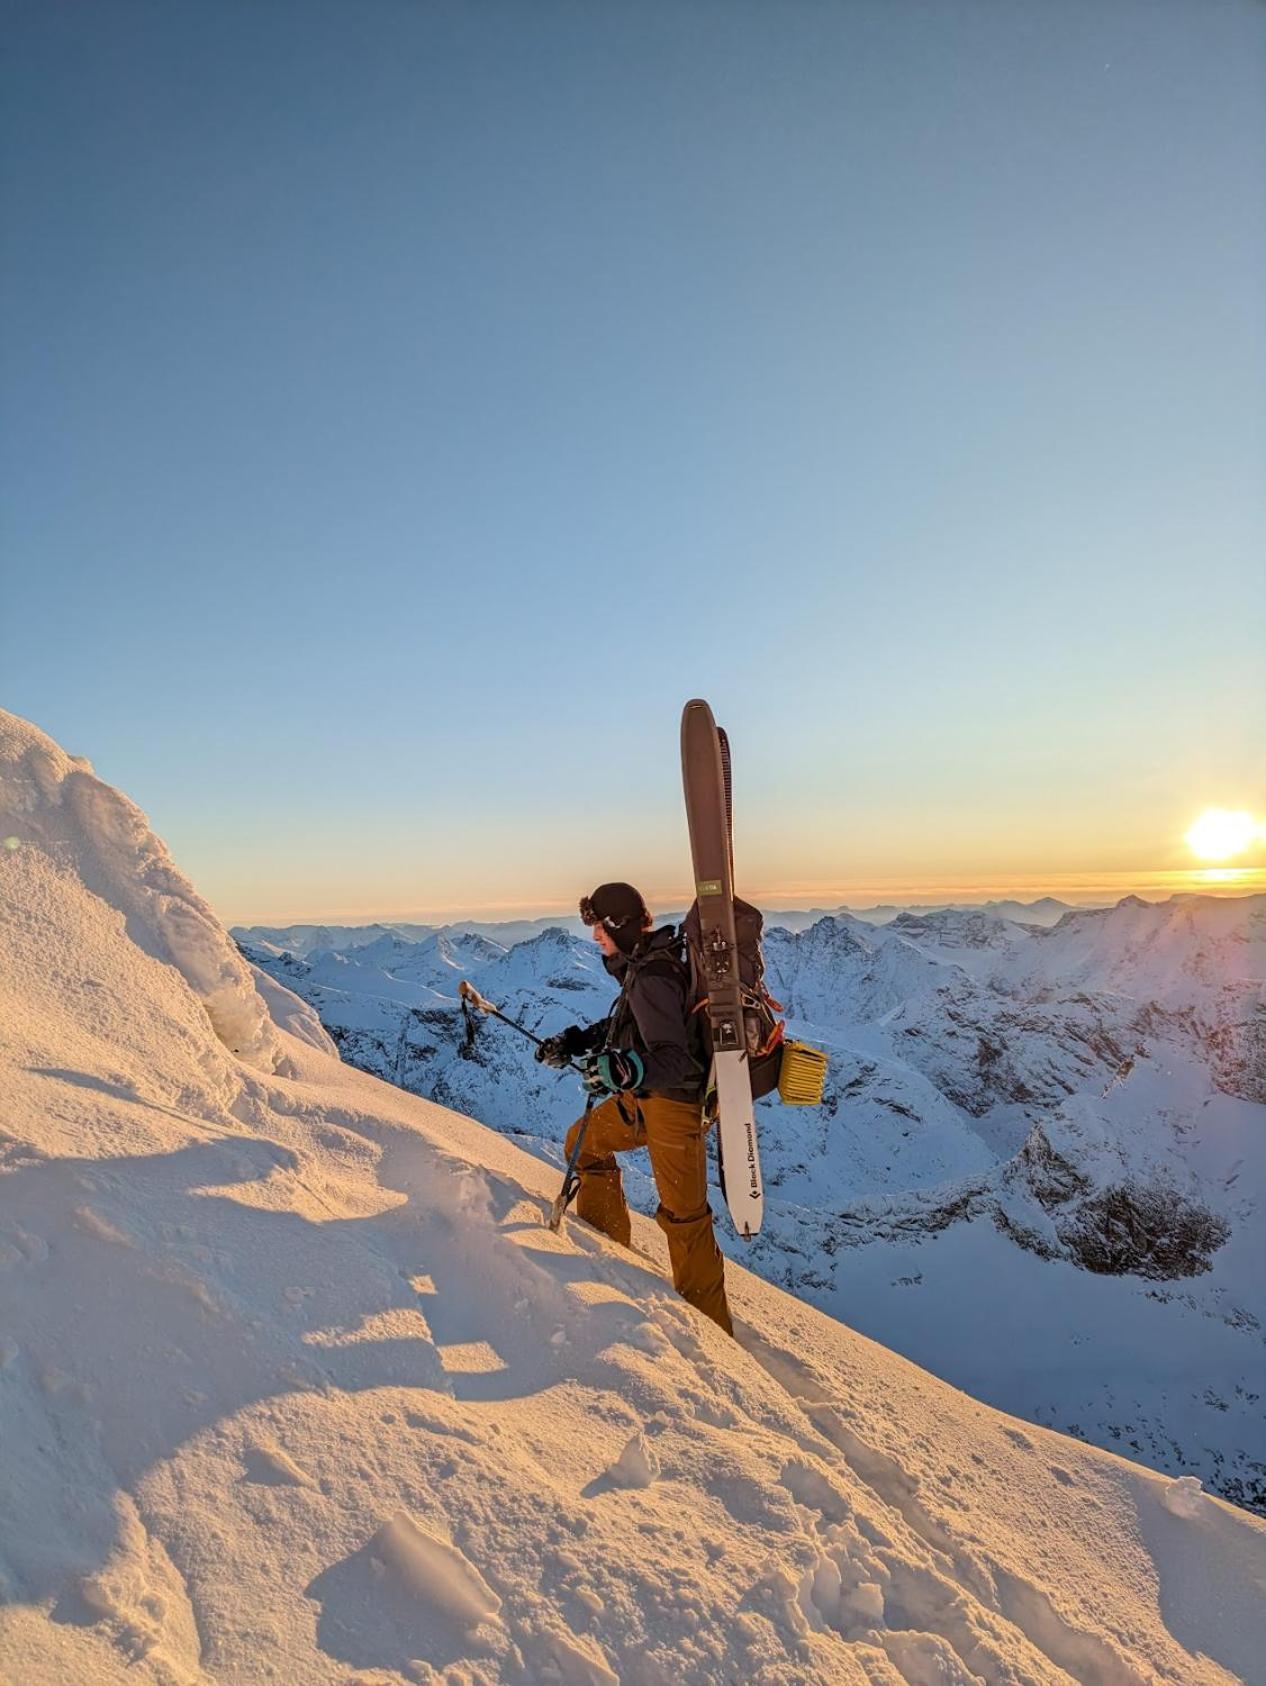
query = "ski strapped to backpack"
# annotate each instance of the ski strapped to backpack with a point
(715, 958)
(762, 1029)
(775, 1061)
(736, 1015)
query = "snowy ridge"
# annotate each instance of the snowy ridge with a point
(305, 939)
(841, 971)
(93, 832)
(1184, 953)
(294, 1384)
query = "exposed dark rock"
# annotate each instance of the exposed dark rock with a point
(1053, 1179)
(1023, 1235)
(1239, 1057)
(1136, 1230)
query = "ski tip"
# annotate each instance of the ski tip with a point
(697, 721)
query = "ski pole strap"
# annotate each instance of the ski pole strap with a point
(468, 1041)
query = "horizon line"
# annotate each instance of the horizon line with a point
(1076, 889)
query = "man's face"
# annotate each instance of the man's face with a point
(605, 941)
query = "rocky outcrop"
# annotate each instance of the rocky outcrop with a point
(1142, 1231)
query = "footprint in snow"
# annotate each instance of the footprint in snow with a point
(811, 1488)
(648, 1337)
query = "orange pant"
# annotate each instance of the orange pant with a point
(674, 1132)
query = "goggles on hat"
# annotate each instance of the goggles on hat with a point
(589, 915)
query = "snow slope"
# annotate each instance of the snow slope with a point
(295, 1385)
(1056, 1132)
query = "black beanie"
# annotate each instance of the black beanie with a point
(621, 909)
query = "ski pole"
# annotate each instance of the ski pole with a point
(571, 1179)
(468, 992)
(472, 998)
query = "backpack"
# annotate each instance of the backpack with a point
(764, 1030)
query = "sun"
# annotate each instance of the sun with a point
(1220, 833)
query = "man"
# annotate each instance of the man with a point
(639, 1059)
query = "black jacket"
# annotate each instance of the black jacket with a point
(650, 1016)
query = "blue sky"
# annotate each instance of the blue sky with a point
(408, 406)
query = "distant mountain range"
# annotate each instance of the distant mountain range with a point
(1038, 1169)
(305, 939)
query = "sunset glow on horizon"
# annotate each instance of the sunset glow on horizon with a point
(1077, 889)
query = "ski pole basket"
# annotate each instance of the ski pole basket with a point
(802, 1075)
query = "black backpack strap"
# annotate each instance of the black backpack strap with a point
(670, 962)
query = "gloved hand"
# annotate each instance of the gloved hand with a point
(611, 1073)
(559, 1050)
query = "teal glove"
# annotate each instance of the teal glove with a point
(613, 1072)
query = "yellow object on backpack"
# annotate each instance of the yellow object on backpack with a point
(802, 1075)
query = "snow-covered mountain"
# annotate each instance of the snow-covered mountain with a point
(307, 939)
(295, 1385)
(1046, 910)
(1040, 1166)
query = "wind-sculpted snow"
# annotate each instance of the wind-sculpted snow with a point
(1025, 1083)
(55, 804)
(295, 1384)
(291, 1012)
